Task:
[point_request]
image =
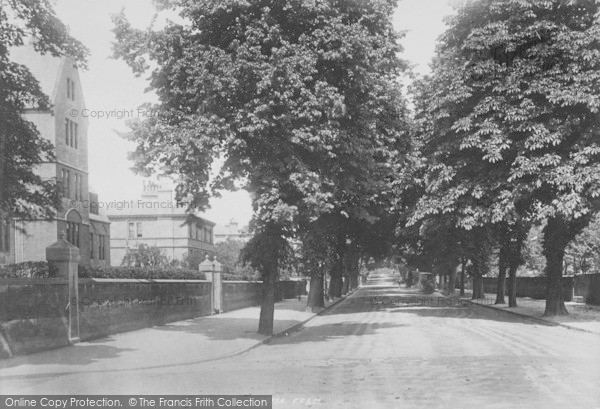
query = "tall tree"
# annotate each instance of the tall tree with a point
(23, 193)
(515, 98)
(296, 98)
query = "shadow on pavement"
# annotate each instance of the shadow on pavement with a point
(79, 355)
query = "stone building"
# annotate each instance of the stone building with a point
(157, 220)
(67, 129)
(232, 231)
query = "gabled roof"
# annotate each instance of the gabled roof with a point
(45, 67)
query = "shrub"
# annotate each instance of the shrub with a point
(240, 277)
(28, 269)
(148, 273)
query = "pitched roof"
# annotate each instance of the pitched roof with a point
(45, 67)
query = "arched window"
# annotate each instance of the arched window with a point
(102, 242)
(73, 227)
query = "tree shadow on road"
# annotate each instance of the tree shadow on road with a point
(81, 354)
(325, 332)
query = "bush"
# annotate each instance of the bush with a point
(148, 273)
(240, 277)
(28, 269)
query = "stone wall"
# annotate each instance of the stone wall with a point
(33, 314)
(533, 287)
(588, 287)
(241, 294)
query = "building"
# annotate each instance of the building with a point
(63, 125)
(157, 220)
(231, 231)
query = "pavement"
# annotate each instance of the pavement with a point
(382, 347)
(582, 317)
(188, 342)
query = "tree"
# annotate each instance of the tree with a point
(23, 193)
(144, 255)
(296, 97)
(514, 107)
(583, 253)
(228, 253)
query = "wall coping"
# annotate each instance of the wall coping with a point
(241, 282)
(64, 281)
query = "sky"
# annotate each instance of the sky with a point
(109, 85)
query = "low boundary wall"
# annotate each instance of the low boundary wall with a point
(34, 313)
(532, 287)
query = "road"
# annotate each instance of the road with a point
(369, 351)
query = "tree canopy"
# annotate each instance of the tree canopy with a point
(298, 100)
(23, 193)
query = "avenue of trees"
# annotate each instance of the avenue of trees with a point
(301, 104)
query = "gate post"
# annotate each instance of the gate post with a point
(64, 257)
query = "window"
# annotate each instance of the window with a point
(71, 133)
(131, 230)
(92, 246)
(139, 229)
(78, 187)
(71, 126)
(4, 235)
(73, 233)
(101, 247)
(70, 89)
(66, 179)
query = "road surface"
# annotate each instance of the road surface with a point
(382, 347)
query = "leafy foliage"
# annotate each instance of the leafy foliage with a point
(23, 193)
(144, 255)
(228, 253)
(147, 273)
(299, 99)
(28, 269)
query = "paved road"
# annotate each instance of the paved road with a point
(369, 351)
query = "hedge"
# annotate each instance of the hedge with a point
(41, 269)
(239, 277)
(148, 273)
(28, 269)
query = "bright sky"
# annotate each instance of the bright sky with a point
(109, 85)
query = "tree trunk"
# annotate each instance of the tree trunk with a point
(501, 282)
(463, 267)
(336, 280)
(339, 283)
(452, 281)
(478, 287)
(512, 285)
(267, 307)
(353, 280)
(352, 268)
(316, 293)
(345, 284)
(555, 242)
